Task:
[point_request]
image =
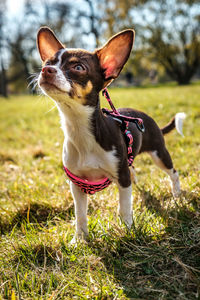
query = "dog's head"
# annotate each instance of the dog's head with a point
(76, 74)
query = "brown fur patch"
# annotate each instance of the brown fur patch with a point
(81, 92)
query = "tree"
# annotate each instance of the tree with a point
(19, 67)
(22, 44)
(168, 29)
(3, 75)
(173, 33)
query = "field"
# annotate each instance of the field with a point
(158, 259)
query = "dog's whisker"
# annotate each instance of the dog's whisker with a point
(34, 81)
(50, 109)
(33, 75)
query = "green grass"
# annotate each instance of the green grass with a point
(158, 259)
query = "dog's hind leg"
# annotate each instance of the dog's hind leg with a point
(80, 203)
(133, 175)
(163, 160)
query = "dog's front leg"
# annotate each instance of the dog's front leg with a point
(125, 205)
(80, 203)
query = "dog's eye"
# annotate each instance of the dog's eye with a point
(79, 68)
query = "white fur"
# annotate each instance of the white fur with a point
(179, 117)
(125, 205)
(173, 174)
(80, 203)
(174, 182)
(60, 57)
(82, 155)
(60, 81)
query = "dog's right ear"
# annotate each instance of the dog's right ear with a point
(47, 43)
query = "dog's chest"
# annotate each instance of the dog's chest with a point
(93, 164)
(82, 155)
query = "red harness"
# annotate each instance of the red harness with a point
(91, 187)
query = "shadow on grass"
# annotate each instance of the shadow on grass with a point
(4, 157)
(146, 266)
(165, 266)
(186, 212)
(35, 213)
(38, 213)
(40, 255)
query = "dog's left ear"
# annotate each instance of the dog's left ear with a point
(115, 53)
(47, 43)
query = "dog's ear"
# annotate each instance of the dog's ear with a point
(47, 43)
(115, 53)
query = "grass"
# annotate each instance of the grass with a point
(158, 259)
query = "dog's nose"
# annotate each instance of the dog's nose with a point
(48, 71)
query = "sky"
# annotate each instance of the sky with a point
(14, 7)
(15, 11)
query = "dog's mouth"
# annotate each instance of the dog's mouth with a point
(50, 86)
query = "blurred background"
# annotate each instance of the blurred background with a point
(167, 43)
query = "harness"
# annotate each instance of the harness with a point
(91, 187)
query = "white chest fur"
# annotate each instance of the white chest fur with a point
(82, 155)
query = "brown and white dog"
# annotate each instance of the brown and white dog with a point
(94, 146)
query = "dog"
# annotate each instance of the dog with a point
(94, 148)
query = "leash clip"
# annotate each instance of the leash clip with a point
(140, 126)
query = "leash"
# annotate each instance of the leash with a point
(117, 115)
(124, 123)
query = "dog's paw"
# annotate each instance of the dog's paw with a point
(73, 241)
(176, 192)
(79, 238)
(127, 220)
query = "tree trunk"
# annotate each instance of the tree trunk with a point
(3, 81)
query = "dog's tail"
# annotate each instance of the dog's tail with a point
(176, 122)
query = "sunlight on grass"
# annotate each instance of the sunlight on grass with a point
(157, 259)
